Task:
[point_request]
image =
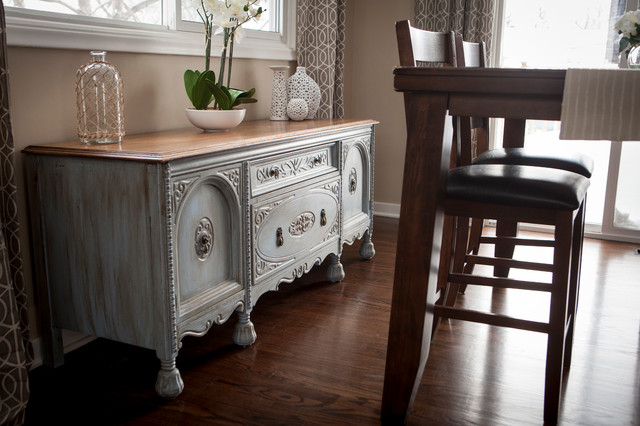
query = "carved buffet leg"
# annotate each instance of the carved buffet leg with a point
(244, 334)
(169, 383)
(335, 272)
(366, 249)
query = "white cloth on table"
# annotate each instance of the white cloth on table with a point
(601, 104)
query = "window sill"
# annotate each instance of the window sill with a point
(28, 29)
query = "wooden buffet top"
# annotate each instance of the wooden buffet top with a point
(182, 143)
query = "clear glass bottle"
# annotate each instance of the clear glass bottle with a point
(100, 101)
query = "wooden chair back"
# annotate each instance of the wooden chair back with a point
(471, 143)
(416, 46)
(470, 54)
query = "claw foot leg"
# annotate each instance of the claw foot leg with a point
(366, 249)
(244, 334)
(169, 383)
(335, 272)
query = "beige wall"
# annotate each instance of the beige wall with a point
(43, 96)
(372, 54)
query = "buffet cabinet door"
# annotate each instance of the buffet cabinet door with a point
(356, 183)
(208, 251)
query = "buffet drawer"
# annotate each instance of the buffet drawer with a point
(292, 225)
(276, 172)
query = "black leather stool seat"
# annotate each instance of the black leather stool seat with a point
(571, 161)
(523, 186)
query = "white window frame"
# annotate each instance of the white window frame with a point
(31, 28)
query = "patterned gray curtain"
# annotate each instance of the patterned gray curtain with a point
(16, 353)
(320, 44)
(471, 18)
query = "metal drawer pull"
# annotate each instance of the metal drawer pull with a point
(323, 218)
(317, 160)
(279, 238)
(275, 173)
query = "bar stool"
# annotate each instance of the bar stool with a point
(471, 54)
(533, 195)
(516, 193)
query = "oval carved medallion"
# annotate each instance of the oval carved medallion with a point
(302, 223)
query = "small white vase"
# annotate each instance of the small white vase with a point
(301, 86)
(279, 93)
(297, 109)
(215, 120)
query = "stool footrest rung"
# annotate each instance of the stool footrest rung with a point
(491, 319)
(518, 241)
(509, 263)
(498, 282)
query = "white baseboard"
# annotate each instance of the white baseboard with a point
(71, 340)
(386, 210)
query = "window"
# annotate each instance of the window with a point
(145, 26)
(144, 11)
(577, 34)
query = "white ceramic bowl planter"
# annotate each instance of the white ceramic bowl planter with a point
(215, 120)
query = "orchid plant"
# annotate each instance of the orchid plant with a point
(226, 17)
(629, 26)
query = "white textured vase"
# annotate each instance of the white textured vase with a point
(279, 93)
(301, 86)
(297, 109)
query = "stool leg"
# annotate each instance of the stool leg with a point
(477, 224)
(446, 253)
(459, 255)
(446, 260)
(558, 315)
(574, 284)
(504, 229)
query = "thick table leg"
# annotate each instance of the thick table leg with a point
(418, 253)
(514, 130)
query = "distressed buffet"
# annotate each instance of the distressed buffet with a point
(168, 233)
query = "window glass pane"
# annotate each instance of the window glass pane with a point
(627, 213)
(265, 23)
(143, 11)
(560, 34)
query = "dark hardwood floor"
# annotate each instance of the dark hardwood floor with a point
(320, 353)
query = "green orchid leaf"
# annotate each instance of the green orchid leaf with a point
(201, 92)
(233, 96)
(190, 79)
(249, 93)
(246, 97)
(221, 95)
(246, 101)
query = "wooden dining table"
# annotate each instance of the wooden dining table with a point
(432, 96)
